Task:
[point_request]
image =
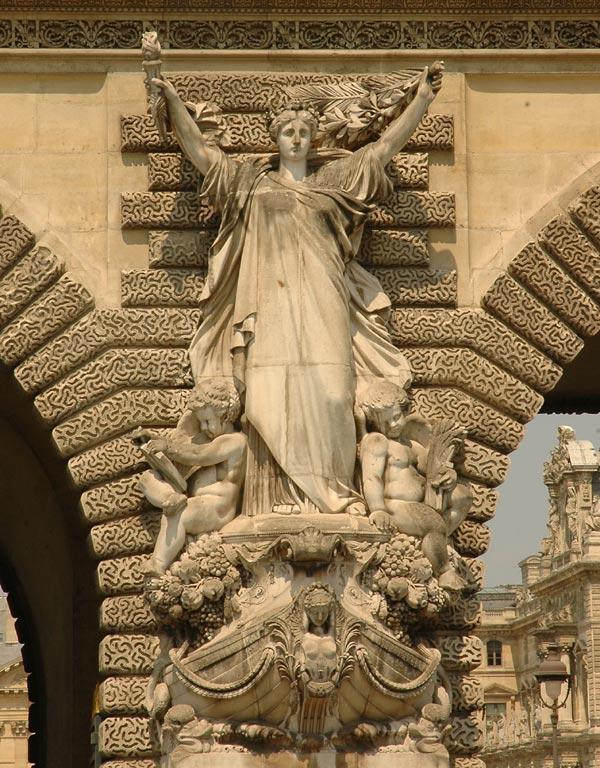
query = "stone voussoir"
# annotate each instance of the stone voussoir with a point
(130, 654)
(131, 535)
(520, 310)
(162, 287)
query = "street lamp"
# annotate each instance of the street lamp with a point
(552, 673)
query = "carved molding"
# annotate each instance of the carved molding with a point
(349, 33)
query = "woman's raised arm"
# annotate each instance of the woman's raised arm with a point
(401, 129)
(194, 145)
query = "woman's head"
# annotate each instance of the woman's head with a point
(293, 128)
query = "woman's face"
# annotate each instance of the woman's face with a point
(293, 140)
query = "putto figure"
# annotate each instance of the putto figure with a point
(394, 471)
(289, 314)
(213, 457)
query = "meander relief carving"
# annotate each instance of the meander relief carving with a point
(305, 551)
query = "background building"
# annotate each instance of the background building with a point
(556, 606)
(14, 703)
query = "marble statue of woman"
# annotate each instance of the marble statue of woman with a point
(288, 312)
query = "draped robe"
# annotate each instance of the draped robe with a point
(284, 286)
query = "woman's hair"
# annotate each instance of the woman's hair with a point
(295, 110)
(219, 394)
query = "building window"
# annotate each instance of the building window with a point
(494, 653)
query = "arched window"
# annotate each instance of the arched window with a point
(494, 653)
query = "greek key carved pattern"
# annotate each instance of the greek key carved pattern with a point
(117, 414)
(112, 500)
(162, 287)
(568, 245)
(123, 695)
(126, 614)
(248, 133)
(113, 370)
(63, 303)
(131, 535)
(461, 652)
(122, 575)
(128, 654)
(15, 240)
(471, 539)
(482, 333)
(127, 737)
(467, 370)
(543, 277)
(101, 329)
(483, 423)
(418, 286)
(30, 277)
(519, 309)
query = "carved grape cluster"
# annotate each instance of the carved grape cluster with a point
(404, 577)
(197, 590)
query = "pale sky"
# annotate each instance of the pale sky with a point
(520, 522)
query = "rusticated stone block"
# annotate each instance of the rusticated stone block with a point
(585, 211)
(179, 249)
(156, 210)
(418, 286)
(162, 287)
(29, 278)
(105, 462)
(467, 693)
(127, 737)
(480, 332)
(415, 209)
(392, 247)
(15, 240)
(543, 277)
(566, 242)
(462, 653)
(172, 171)
(463, 615)
(467, 762)
(467, 370)
(482, 463)
(466, 734)
(132, 763)
(248, 133)
(124, 537)
(126, 614)
(484, 503)
(100, 330)
(128, 654)
(471, 539)
(112, 500)
(59, 306)
(122, 575)
(123, 696)
(519, 309)
(483, 423)
(117, 414)
(111, 371)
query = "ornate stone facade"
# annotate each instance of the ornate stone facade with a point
(553, 608)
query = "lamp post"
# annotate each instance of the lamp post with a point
(551, 674)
